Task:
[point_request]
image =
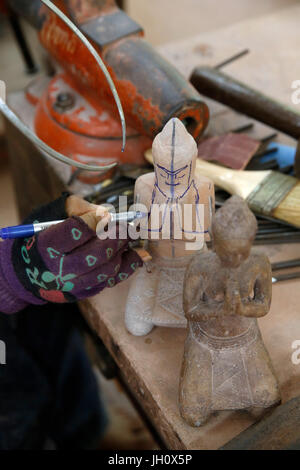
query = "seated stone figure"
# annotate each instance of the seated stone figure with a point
(155, 296)
(226, 365)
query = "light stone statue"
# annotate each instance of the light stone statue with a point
(178, 205)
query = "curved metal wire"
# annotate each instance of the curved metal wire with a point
(13, 118)
(98, 59)
(16, 121)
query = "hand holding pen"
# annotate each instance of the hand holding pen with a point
(96, 217)
(67, 261)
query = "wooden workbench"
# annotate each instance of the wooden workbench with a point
(150, 365)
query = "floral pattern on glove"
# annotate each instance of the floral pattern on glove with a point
(68, 262)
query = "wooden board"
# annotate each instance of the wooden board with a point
(151, 364)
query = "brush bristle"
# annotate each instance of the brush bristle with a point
(289, 208)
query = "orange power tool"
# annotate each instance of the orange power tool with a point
(75, 113)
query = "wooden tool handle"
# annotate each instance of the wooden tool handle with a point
(238, 182)
(143, 254)
(224, 89)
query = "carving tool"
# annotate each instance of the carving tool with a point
(293, 263)
(232, 59)
(269, 193)
(285, 277)
(235, 94)
(243, 128)
(24, 231)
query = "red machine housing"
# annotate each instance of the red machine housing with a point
(77, 114)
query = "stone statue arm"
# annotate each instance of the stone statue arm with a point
(259, 305)
(196, 303)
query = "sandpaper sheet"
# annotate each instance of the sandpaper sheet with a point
(231, 150)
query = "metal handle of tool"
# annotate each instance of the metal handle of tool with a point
(238, 96)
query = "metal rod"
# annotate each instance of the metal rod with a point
(276, 241)
(285, 277)
(286, 234)
(232, 59)
(269, 137)
(293, 263)
(21, 40)
(243, 128)
(274, 230)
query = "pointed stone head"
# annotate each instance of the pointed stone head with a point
(174, 154)
(234, 227)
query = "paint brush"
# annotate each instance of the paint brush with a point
(267, 192)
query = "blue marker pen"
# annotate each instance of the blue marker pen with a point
(24, 231)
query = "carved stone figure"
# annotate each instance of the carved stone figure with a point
(225, 364)
(178, 210)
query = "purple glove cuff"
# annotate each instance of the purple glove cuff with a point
(10, 284)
